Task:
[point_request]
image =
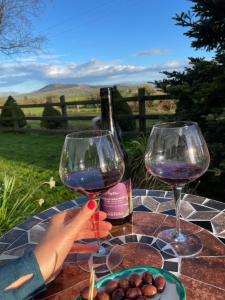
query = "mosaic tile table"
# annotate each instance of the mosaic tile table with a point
(203, 275)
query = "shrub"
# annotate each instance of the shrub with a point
(166, 105)
(50, 111)
(122, 108)
(7, 112)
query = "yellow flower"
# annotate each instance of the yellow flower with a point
(51, 183)
(41, 201)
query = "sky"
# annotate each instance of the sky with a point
(101, 42)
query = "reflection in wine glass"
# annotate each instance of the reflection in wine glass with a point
(90, 164)
(177, 154)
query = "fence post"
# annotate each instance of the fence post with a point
(142, 110)
(15, 119)
(64, 111)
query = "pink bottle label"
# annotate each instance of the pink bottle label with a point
(116, 202)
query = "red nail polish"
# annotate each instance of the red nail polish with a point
(91, 204)
(91, 195)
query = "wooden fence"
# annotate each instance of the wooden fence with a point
(142, 117)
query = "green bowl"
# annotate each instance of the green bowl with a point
(174, 290)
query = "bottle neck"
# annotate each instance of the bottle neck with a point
(111, 115)
(112, 123)
(108, 120)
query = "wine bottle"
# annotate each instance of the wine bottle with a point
(117, 201)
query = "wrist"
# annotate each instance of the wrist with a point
(46, 262)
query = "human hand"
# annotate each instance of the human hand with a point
(64, 229)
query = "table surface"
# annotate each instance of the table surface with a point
(203, 275)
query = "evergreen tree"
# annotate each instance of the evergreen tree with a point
(206, 23)
(7, 112)
(50, 111)
(200, 88)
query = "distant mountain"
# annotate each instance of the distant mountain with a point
(73, 92)
(64, 89)
(11, 93)
(55, 86)
(58, 88)
(74, 89)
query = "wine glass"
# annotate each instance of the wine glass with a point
(91, 163)
(177, 154)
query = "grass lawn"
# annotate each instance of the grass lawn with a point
(33, 159)
(81, 124)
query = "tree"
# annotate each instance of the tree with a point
(15, 26)
(10, 110)
(206, 21)
(200, 88)
(50, 111)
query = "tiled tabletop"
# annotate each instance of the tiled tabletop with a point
(203, 275)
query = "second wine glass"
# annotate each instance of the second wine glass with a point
(177, 154)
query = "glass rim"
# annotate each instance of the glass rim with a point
(171, 125)
(95, 133)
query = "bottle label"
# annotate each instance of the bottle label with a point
(117, 201)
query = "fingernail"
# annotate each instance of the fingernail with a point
(91, 195)
(91, 204)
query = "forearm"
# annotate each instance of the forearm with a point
(21, 279)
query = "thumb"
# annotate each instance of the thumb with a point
(86, 212)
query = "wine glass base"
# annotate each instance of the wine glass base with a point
(102, 251)
(103, 261)
(185, 245)
(131, 255)
(115, 257)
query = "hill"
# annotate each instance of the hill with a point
(69, 90)
(52, 87)
(72, 92)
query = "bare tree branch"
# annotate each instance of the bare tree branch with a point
(16, 26)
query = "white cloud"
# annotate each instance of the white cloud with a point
(90, 72)
(57, 72)
(174, 64)
(153, 52)
(41, 57)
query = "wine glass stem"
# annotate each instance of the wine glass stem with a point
(101, 250)
(177, 197)
(96, 225)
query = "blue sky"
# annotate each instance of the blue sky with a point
(101, 42)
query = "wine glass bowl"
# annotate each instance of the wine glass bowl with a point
(91, 162)
(177, 154)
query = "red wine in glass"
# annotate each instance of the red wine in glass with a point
(177, 154)
(93, 181)
(178, 173)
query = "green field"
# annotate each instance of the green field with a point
(85, 124)
(76, 124)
